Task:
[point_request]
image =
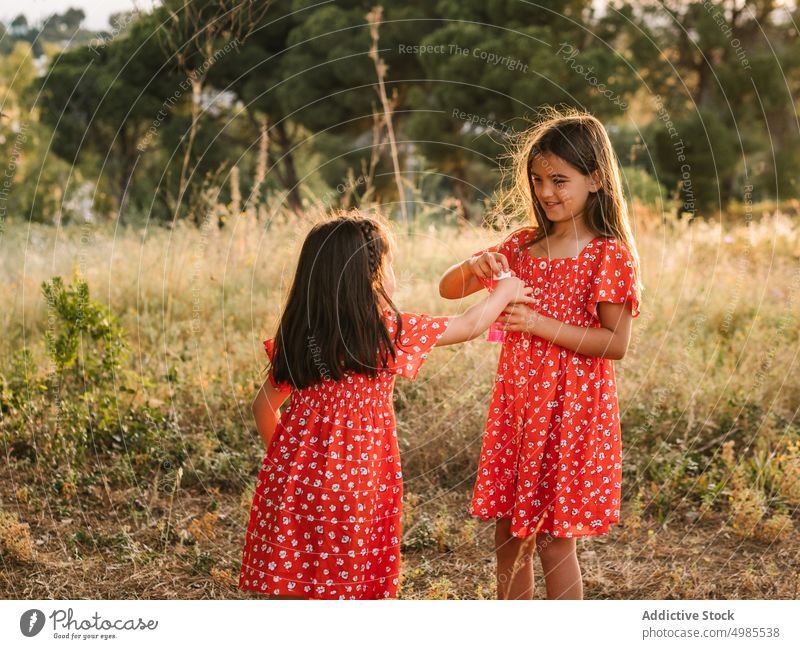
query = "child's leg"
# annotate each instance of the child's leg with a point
(514, 562)
(562, 574)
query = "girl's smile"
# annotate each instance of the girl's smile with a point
(559, 187)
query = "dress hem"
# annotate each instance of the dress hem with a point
(287, 592)
(602, 530)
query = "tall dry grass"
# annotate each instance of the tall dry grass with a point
(712, 364)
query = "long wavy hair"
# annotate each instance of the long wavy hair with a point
(332, 321)
(581, 140)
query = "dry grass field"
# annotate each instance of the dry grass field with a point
(130, 474)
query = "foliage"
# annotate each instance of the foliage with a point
(464, 78)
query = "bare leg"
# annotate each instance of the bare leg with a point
(514, 562)
(562, 574)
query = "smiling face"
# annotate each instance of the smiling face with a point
(560, 188)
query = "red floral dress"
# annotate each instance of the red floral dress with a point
(326, 516)
(551, 454)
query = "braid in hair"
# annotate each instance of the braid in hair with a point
(375, 245)
(373, 240)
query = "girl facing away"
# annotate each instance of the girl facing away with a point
(550, 464)
(325, 522)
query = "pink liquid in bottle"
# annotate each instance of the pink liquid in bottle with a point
(496, 335)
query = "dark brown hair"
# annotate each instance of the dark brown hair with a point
(332, 321)
(581, 140)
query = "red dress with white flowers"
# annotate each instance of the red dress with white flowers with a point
(326, 516)
(551, 454)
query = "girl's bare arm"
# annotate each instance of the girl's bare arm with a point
(475, 320)
(459, 281)
(266, 409)
(463, 279)
(608, 341)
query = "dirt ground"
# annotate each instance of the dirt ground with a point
(115, 544)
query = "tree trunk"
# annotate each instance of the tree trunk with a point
(463, 193)
(289, 176)
(183, 181)
(128, 164)
(705, 84)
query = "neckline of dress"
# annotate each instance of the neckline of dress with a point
(528, 254)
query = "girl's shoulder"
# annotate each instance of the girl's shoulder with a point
(513, 243)
(613, 246)
(610, 240)
(415, 335)
(409, 322)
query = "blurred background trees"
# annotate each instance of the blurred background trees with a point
(276, 104)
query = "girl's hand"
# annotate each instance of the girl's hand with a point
(479, 317)
(515, 291)
(489, 264)
(519, 317)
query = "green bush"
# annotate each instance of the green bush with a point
(81, 403)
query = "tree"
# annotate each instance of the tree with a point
(496, 63)
(732, 70)
(19, 26)
(193, 34)
(101, 102)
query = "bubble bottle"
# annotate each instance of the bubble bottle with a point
(496, 335)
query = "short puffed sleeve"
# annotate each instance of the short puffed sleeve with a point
(418, 335)
(614, 278)
(269, 347)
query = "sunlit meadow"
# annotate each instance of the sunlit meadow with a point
(133, 470)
